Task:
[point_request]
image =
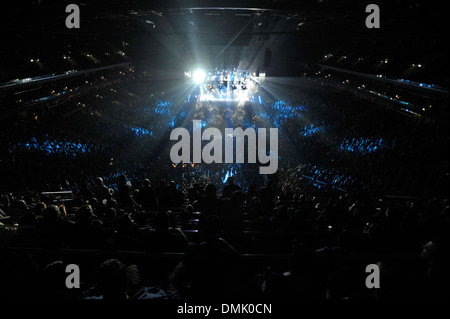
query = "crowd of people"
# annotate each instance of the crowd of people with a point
(327, 236)
(328, 209)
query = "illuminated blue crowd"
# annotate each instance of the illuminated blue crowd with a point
(132, 135)
(140, 132)
(283, 110)
(55, 147)
(363, 146)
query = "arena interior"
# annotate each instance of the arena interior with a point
(87, 176)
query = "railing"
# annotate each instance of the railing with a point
(180, 255)
(54, 77)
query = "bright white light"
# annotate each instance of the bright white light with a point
(199, 76)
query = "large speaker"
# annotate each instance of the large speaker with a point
(267, 58)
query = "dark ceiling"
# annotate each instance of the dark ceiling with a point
(227, 32)
(398, 16)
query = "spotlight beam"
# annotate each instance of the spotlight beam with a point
(231, 41)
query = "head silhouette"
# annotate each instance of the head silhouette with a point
(112, 279)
